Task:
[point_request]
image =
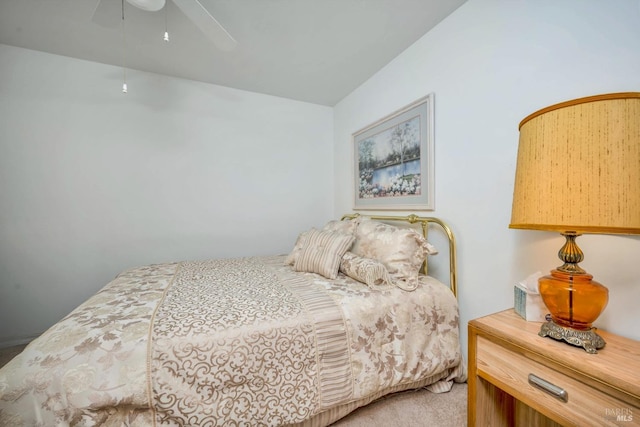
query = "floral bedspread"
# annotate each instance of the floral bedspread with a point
(243, 341)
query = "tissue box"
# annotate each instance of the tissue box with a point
(528, 304)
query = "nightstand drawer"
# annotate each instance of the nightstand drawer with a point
(584, 406)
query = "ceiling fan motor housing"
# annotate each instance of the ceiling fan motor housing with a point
(149, 5)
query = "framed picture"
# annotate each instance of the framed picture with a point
(394, 165)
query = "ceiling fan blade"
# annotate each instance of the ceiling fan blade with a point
(106, 15)
(211, 28)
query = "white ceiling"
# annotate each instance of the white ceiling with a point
(316, 51)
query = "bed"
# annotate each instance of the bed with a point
(348, 316)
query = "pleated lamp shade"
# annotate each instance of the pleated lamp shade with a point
(578, 167)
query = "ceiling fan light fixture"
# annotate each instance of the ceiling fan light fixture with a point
(148, 5)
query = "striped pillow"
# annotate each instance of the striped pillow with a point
(322, 251)
(346, 226)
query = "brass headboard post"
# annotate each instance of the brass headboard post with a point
(424, 222)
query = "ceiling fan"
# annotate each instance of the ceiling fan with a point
(194, 10)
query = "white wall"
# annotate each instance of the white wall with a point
(490, 64)
(93, 181)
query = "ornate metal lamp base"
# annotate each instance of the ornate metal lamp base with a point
(588, 339)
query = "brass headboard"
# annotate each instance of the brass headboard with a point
(424, 222)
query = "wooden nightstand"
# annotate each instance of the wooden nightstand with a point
(600, 389)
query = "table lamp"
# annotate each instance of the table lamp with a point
(578, 171)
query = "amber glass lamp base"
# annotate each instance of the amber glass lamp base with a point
(574, 301)
(573, 298)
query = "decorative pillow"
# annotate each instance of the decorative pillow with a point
(322, 251)
(365, 270)
(291, 258)
(346, 226)
(401, 250)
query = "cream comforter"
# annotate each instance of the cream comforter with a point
(231, 342)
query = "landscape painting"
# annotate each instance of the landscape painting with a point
(394, 160)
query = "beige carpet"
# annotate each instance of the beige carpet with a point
(407, 409)
(419, 408)
(9, 353)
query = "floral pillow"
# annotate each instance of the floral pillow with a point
(401, 250)
(346, 226)
(365, 270)
(322, 251)
(293, 255)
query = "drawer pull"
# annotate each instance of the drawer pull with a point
(546, 386)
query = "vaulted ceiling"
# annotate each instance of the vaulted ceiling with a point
(315, 51)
